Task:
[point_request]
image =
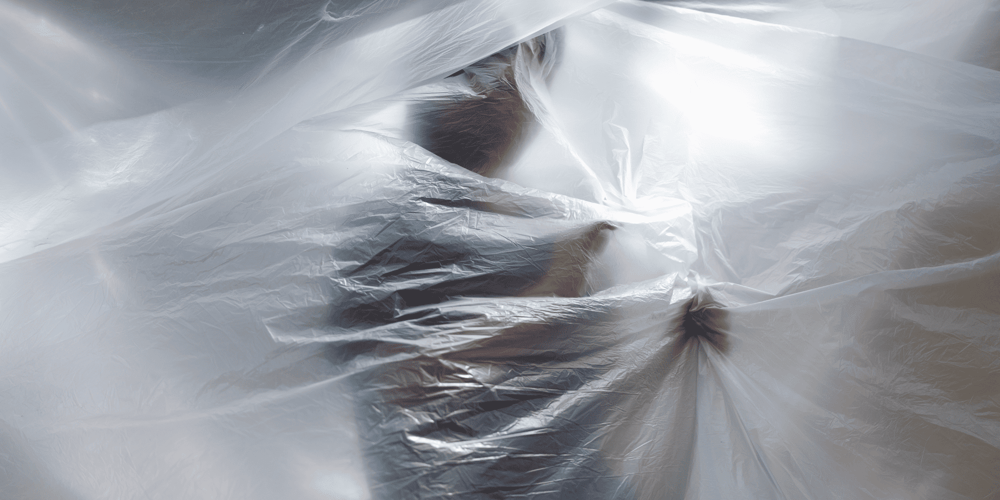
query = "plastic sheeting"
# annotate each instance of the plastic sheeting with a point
(964, 30)
(256, 251)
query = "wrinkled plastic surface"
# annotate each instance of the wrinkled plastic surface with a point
(713, 257)
(964, 30)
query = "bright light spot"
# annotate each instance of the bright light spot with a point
(713, 87)
(712, 106)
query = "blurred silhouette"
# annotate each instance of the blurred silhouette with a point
(439, 422)
(487, 127)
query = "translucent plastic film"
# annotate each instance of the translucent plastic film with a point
(484, 249)
(964, 30)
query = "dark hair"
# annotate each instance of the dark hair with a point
(481, 129)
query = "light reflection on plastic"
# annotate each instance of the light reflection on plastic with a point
(705, 86)
(107, 276)
(44, 30)
(713, 108)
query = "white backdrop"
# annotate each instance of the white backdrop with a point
(750, 251)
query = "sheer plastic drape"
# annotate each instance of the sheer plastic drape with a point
(723, 251)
